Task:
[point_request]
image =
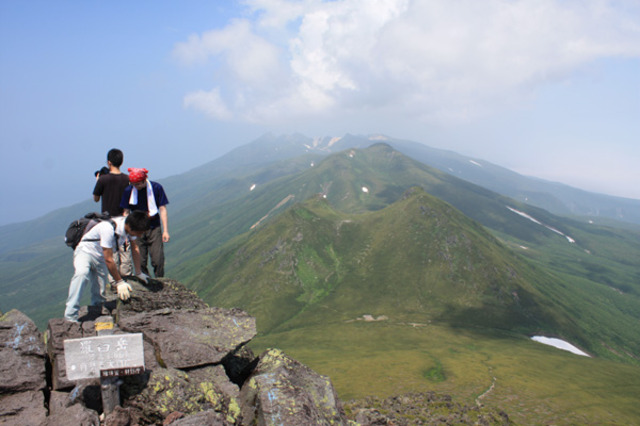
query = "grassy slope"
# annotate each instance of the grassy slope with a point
(533, 383)
(385, 173)
(416, 260)
(441, 351)
(31, 278)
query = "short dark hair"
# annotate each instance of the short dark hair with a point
(138, 221)
(102, 171)
(115, 157)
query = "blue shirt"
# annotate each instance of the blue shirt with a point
(158, 194)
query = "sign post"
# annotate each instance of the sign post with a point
(106, 356)
(109, 388)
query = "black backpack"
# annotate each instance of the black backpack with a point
(78, 228)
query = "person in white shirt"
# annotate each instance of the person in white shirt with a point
(93, 259)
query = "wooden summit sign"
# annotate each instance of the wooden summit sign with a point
(104, 356)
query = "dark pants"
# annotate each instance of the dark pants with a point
(151, 245)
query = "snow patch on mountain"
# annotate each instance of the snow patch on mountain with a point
(534, 220)
(560, 344)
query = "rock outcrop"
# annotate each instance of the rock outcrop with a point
(198, 369)
(281, 391)
(22, 369)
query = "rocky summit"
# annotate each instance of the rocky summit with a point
(198, 371)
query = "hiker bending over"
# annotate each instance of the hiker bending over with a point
(93, 259)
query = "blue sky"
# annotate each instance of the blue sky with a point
(548, 88)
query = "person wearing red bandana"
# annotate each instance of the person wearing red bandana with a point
(148, 196)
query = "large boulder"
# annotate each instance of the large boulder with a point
(285, 392)
(192, 337)
(175, 391)
(22, 355)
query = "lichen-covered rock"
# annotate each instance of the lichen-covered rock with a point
(283, 391)
(189, 338)
(160, 293)
(209, 418)
(22, 354)
(171, 390)
(23, 408)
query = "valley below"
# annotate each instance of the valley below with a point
(532, 383)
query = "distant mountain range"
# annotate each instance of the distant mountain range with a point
(364, 182)
(555, 197)
(226, 197)
(317, 237)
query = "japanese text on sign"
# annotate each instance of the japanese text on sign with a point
(85, 358)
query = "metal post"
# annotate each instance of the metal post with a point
(108, 385)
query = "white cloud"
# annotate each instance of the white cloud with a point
(430, 59)
(250, 59)
(208, 102)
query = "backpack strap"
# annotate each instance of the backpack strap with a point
(115, 235)
(113, 223)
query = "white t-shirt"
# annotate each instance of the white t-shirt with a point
(105, 238)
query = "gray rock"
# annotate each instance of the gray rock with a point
(285, 392)
(122, 417)
(162, 293)
(76, 414)
(81, 404)
(171, 390)
(23, 408)
(209, 418)
(192, 337)
(22, 355)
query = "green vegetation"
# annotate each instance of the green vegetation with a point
(532, 383)
(421, 282)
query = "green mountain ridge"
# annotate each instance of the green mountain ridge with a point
(599, 263)
(417, 260)
(602, 261)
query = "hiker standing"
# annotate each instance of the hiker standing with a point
(110, 187)
(147, 196)
(93, 259)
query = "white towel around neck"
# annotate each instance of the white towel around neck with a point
(151, 200)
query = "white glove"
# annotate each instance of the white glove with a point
(124, 290)
(144, 277)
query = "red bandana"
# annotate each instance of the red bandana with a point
(137, 175)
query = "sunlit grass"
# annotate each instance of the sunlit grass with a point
(532, 383)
